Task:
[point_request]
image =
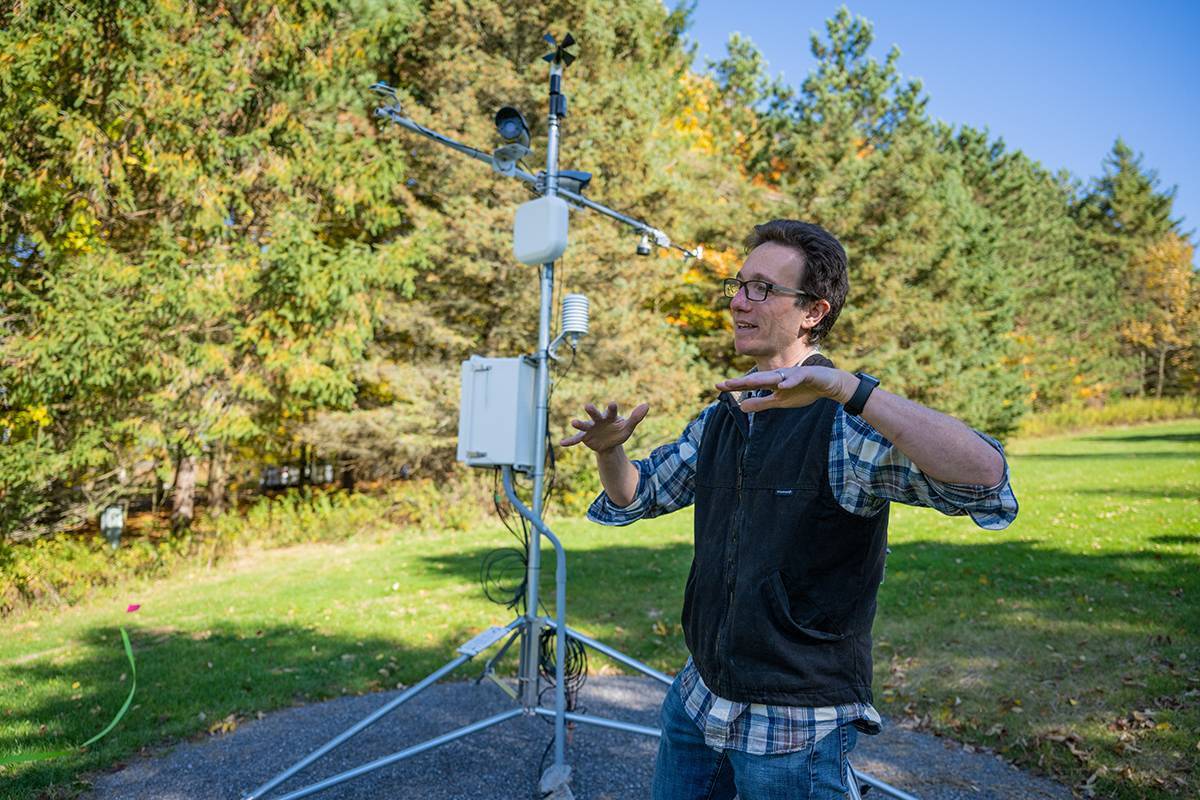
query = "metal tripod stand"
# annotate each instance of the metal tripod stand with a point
(524, 630)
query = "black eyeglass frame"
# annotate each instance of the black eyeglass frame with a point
(731, 286)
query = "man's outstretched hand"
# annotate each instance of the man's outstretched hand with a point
(604, 432)
(793, 387)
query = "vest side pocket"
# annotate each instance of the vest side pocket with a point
(786, 614)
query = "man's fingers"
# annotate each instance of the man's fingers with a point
(570, 441)
(758, 403)
(610, 413)
(757, 380)
(582, 425)
(637, 415)
(593, 412)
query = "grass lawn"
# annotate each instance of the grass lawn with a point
(1068, 642)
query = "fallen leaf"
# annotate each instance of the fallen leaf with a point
(226, 725)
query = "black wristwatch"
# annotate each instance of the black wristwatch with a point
(866, 385)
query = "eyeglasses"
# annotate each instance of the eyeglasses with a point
(758, 290)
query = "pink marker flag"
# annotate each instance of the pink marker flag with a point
(132, 608)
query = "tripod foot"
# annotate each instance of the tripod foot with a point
(554, 784)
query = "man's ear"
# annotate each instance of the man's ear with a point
(813, 314)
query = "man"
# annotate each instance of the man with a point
(791, 482)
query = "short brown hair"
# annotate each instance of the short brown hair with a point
(825, 270)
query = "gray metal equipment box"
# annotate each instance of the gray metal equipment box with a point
(496, 414)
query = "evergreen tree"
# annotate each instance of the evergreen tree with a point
(1122, 214)
(931, 306)
(1064, 346)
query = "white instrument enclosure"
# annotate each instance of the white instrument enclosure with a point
(540, 230)
(497, 413)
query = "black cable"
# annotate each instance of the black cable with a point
(555, 292)
(502, 574)
(505, 513)
(553, 471)
(574, 665)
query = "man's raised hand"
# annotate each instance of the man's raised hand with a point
(605, 431)
(792, 387)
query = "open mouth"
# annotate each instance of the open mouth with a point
(744, 326)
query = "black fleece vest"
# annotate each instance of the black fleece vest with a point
(781, 596)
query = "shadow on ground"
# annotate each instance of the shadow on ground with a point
(1147, 437)
(188, 685)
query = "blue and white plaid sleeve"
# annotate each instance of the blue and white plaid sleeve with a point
(866, 470)
(666, 480)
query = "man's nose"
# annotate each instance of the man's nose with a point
(740, 301)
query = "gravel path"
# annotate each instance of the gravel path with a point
(501, 763)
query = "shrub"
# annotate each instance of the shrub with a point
(1129, 411)
(307, 515)
(65, 568)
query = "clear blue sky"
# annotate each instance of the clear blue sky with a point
(1057, 80)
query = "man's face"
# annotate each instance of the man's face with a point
(769, 327)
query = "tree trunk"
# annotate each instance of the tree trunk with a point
(218, 480)
(348, 477)
(183, 502)
(1142, 374)
(1162, 371)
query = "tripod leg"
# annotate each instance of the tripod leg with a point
(489, 666)
(852, 782)
(601, 722)
(618, 656)
(862, 779)
(408, 694)
(392, 759)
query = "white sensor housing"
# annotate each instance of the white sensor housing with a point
(540, 230)
(497, 413)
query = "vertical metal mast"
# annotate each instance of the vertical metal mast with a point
(529, 647)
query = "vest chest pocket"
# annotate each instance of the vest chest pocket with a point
(799, 615)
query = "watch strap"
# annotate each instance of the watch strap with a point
(866, 385)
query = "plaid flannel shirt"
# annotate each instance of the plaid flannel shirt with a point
(866, 471)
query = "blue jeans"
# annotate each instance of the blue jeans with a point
(688, 769)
